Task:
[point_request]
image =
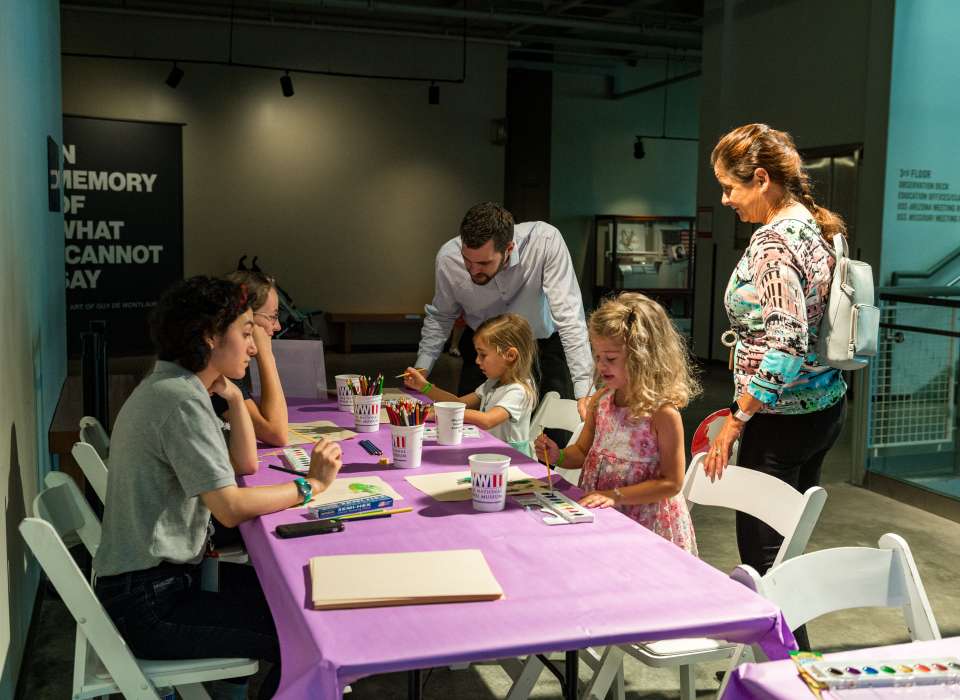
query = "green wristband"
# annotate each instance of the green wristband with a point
(426, 388)
(560, 457)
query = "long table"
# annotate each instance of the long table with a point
(566, 587)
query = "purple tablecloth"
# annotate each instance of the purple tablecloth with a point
(566, 587)
(778, 680)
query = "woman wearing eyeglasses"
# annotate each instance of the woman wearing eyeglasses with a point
(270, 415)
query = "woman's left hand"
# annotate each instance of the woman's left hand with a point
(720, 449)
(597, 499)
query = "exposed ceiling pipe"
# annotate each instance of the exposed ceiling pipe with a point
(655, 86)
(676, 54)
(555, 10)
(677, 35)
(160, 14)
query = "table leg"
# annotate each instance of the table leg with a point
(573, 675)
(414, 684)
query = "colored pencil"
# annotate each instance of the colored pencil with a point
(285, 469)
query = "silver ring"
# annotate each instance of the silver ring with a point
(729, 338)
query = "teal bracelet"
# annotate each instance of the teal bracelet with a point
(560, 458)
(305, 489)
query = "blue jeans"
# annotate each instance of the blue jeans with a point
(163, 614)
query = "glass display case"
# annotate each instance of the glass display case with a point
(648, 254)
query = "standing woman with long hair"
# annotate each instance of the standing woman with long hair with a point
(789, 407)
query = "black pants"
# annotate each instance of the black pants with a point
(792, 449)
(163, 614)
(550, 372)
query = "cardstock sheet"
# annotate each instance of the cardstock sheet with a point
(445, 486)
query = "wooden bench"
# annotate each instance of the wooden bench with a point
(347, 320)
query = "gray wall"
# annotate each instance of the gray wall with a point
(816, 68)
(32, 343)
(592, 163)
(345, 190)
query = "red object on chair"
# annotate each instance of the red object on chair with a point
(707, 430)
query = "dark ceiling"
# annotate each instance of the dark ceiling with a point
(579, 31)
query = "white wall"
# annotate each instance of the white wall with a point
(593, 170)
(32, 343)
(346, 190)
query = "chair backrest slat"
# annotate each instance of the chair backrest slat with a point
(93, 467)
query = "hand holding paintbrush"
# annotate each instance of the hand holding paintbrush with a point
(550, 451)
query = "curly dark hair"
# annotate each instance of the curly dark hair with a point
(191, 311)
(485, 221)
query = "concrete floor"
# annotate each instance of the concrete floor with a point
(852, 516)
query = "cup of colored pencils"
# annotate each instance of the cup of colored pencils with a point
(407, 418)
(367, 394)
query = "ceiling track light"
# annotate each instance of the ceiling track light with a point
(174, 76)
(433, 94)
(286, 84)
(638, 151)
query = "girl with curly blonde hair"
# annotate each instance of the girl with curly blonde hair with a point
(631, 447)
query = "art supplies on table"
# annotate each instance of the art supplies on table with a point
(406, 411)
(840, 674)
(350, 506)
(401, 578)
(301, 433)
(285, 470)
(297, 459)
(345, 488)
(385, 513)
(559, 508)
(455, 486)
(362, 385)
(370, 448)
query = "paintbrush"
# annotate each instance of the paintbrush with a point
(419, 369)
(546, 460)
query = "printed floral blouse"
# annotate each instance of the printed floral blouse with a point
(626, 452)
(775, 299)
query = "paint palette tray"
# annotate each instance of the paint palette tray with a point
(871, 673)
(297, 459)
(559, 509)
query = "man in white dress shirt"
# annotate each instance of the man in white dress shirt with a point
(495, 266)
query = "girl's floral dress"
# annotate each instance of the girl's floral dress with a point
(626, 452)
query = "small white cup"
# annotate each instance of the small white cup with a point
(488, 481)
(407, 443)
(344, 397)
(449, 422)
(366, 413)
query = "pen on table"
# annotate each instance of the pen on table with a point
(419, 369)
(385, 513)
(285, 469)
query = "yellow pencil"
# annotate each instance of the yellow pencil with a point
(546, 460)
(419, 369)
(371, 513)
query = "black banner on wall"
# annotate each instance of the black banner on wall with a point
(123, 226)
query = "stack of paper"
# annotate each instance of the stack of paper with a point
(402, 578)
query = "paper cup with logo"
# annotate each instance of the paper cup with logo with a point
(344, 397)
(449, 422)
(407, 444)
(366, 413)
(488, 481)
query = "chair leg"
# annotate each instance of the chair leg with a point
(621, 692)
(194, 691)
(523, 685)
(611, 665)
(688, 682)
(743, 654)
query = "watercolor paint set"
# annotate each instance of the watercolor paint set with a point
(558, 508)
(870, 673)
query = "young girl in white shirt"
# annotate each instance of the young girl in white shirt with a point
(502, 405)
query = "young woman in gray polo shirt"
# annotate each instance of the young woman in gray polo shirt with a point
(170, 469)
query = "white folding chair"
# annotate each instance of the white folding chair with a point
(93, 433)
(765, 497)
(103, 664)
(300, 366)
(815, 584)
(562, 414)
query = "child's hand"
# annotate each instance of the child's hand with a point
(597, 499)
(412, 379)
(544, 445)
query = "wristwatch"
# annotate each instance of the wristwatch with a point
(306, 491)
(738, 413)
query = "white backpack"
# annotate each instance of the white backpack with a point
(851, 322)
